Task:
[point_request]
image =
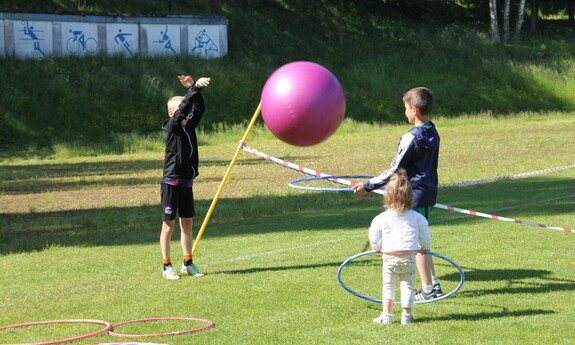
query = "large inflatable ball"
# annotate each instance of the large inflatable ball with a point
(303, 103)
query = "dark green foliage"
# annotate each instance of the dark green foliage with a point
(377, 49)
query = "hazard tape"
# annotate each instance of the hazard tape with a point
(504, 219)
(301, 169)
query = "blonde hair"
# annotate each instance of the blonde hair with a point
(173, 104)
(398, 194)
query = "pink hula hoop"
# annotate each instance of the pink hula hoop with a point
(209, 324)
(129, 344)
(106, 329)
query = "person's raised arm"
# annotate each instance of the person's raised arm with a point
(186, 80)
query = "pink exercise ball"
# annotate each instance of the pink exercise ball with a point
(303, 103)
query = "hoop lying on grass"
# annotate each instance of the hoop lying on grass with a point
(105, 323)
(209, 324)
(109, 328)
(415, 302)
(129, 344)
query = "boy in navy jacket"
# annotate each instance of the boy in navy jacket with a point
(418, 154)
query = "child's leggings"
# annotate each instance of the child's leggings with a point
(400, 267)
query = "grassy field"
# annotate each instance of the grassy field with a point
(80, 229)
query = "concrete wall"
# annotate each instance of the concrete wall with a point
(26, 35)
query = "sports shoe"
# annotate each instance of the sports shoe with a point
(192, 270)
(405, 319)
(437, 290)
(383, 319)
(170, 273)
(424, 296)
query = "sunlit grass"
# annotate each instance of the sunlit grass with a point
(79, 239)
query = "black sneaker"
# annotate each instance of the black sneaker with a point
(437, 290)
(424, 296)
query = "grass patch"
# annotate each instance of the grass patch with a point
(79, 239)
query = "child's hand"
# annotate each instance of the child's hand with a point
(186, 80)
(359, 189)
(202, 82)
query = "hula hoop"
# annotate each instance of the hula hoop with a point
(129, 344)
(209, 323)
(105, 323)
(334, 179)
(415, 302)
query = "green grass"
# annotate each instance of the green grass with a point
(79, 237)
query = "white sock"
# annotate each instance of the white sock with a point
(434, 280)
(427, 288)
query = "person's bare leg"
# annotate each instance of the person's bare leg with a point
(166, 237)
(425, 268)
(186, 235)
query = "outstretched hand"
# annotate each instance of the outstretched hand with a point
(202, 82)
(187, 81)
(359, 189)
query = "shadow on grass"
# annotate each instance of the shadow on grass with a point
(306, 211)
(135, 225)
(531, 197)
(486, 315)
(276, 268)
(517, 281)
(19, 179)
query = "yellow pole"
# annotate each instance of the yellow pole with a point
(225, 179)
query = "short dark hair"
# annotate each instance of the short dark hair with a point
(420, 98)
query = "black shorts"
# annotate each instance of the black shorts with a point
(177, 199)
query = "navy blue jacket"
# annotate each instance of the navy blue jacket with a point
(181, 155)
(418, 154)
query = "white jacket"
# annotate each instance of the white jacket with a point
(391, 232)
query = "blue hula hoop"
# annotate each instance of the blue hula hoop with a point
(294, 183)
(415, 302)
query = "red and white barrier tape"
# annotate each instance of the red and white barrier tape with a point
(292, 166)
(495, 217)
(311, 172)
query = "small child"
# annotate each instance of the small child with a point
(180, 169)
(399, 233)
